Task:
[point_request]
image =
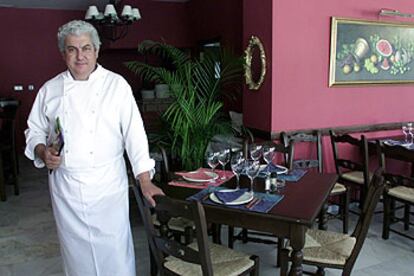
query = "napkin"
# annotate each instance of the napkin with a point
(293, 176)
(229, 196)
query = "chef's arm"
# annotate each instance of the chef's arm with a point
(148, 188)
(49, 155)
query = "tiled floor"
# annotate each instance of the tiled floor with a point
(29, 246)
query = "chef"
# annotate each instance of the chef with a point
(80, 124)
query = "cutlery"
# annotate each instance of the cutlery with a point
(251, 203)
(255, 203)
(205, 197)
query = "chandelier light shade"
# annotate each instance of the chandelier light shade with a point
(111, 26)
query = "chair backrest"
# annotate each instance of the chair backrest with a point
(300, 137)
(161, 242)
(343, 164)
(286, 151)
(400, 153)
(375, 190)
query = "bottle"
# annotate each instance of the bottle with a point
(273, 180)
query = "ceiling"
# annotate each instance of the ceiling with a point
(61, 4)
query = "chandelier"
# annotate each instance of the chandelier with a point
(111, 26)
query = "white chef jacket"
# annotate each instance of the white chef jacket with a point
(89, 191)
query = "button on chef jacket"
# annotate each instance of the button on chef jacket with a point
(99, 119)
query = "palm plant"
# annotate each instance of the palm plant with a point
(196, 113)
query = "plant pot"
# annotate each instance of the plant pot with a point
(147, 94)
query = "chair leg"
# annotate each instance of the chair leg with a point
(3, 195)
(406, 217)
(230, 237)
(280, 247)
(345, 211)
(244, 235)
(386, 220)
(14, 172)
(320, 271)
(153, 264)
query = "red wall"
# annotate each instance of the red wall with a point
(30, 54)
(298, 53)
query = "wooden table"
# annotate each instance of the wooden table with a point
(303, 202)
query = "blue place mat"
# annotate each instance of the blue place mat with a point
(391, 142)
(269, 169)
(268, 201)
(293, 176)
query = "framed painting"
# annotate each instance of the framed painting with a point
(371, 52)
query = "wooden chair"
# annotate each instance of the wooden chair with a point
(247, 235)
(8, 152)
(399, 190)
(316, 163)
(198, 258)
(352, 173)
(326, 249)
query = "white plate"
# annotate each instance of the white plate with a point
(213, 176)
(243, 199)
(281, 170)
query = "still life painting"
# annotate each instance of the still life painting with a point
(371, 52)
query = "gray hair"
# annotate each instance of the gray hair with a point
(77, 27)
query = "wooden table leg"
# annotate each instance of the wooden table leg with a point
(323, 217)
(3, 196)
(297, 242)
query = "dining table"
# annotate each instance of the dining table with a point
(303, 203)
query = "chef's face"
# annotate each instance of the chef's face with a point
(80, 56)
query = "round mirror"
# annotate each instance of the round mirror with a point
(255, 66)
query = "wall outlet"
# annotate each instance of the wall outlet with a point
(18, 88)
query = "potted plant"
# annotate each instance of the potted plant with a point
(197, 89)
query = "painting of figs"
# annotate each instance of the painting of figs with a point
(371, 52)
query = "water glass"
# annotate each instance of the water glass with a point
(252, 170)
(237, 166)
(224, 158)
(255, 151)
(405, 131)
(212, 160)
(410, 133)
(268, 153)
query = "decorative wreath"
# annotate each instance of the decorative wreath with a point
(253, 43)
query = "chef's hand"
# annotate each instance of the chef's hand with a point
(149, 190)
(49, 155)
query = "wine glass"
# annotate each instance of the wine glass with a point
(255, 151)
(252, 170)
(405, 131)
(237, 166)
(268, 153)
(212, 161)
(224, 158)
(410, 132)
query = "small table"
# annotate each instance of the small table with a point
(303, 202)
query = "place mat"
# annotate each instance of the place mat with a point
(203, 185)
(391, 142)
(270, 168)
(264, 205)
(293, 176)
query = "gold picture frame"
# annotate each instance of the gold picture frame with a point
(254, 45)
(364, 52)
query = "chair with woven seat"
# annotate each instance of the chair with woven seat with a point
(316, 163)
(8, 154)
(198, 258)
(399, 190)
(352, 173)
(325, 249)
